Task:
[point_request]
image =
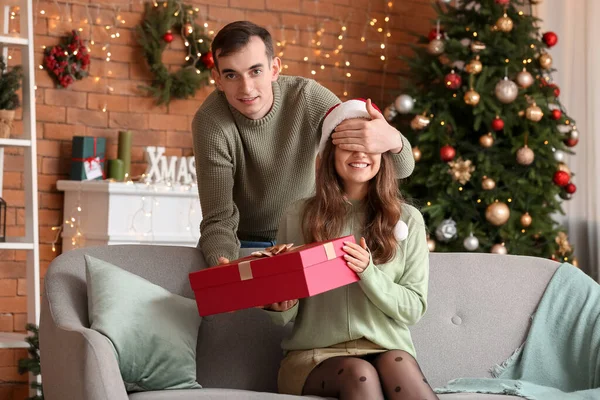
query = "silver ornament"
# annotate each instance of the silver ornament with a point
(564, 129)
(404, 104)
(525, 79)
(574, 134)
(459, 65)
(436, 47)
(506, 91)
(446, 1)
(559, 155)
(471, 243)
(446, 230)
(389, 113)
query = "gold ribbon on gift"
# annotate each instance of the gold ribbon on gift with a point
(329, 250)
(245, 270)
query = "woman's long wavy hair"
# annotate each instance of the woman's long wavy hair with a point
(325, 214)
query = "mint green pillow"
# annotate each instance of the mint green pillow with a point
(153, 331)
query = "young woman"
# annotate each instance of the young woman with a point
(353, 342)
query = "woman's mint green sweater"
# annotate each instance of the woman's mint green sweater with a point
(380, 307)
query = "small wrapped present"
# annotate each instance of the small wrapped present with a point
(87, 162)
(258, 281)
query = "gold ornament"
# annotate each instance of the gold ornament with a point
(419, 122)
(534, 113)
(497, 213)
(524, 79)
(431, 244)
(486, 140)
(575, 263)
(487, 183)
(526, 220)
(436, 47)
(564, 167)
(564, 246)
(525, 155)
(499, 248)
(504, 23)
(416, 153)
(461, 170)
(443, 59)
(474, 66)
(477, 46)
(472, 97)
(545, 60)
(188, 28)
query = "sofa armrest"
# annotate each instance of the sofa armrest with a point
(77, 362)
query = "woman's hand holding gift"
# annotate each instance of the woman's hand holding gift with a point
(357, 256)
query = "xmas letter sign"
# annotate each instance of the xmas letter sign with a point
(168, 169)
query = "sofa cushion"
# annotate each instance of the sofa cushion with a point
(217, 394)
(153, 331)
(231, 394)
(240, 350)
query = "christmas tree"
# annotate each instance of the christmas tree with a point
(488, 131)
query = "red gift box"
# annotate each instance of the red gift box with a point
(257, 281)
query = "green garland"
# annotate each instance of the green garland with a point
(155, 33)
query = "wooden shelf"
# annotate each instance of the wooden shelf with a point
(15, 143)
(16, 243)
(13, 340)
(13, 40)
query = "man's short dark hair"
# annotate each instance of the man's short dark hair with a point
(236, 35)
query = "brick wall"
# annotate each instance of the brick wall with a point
(78, 110)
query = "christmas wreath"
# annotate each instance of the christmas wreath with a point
(68, 61)
(156, 32)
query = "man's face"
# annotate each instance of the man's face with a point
(246, 76)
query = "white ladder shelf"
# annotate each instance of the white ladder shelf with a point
(30, 242)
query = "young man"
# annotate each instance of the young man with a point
(256, 139)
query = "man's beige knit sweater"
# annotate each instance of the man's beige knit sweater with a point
(250, 171)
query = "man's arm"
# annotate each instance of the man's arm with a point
(376, 136)
(215, 172)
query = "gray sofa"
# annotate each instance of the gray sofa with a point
(479, 312)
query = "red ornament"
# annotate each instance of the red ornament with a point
(550, 38)
(208, 60)
(561, 178)
(453, 80)
(556, 114)
(570, 188)
(502, 2)
(433, 34)
(168, 37)
(497, 124)
(556, 90)
(447, 153)
(571, 142)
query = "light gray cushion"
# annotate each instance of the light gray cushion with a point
(154, 332)
(240, 350)
(479, 309)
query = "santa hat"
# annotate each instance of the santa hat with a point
(355, 108)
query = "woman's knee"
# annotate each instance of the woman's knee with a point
(394, 357)
(358, 372)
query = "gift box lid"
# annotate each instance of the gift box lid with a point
(253, 267)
